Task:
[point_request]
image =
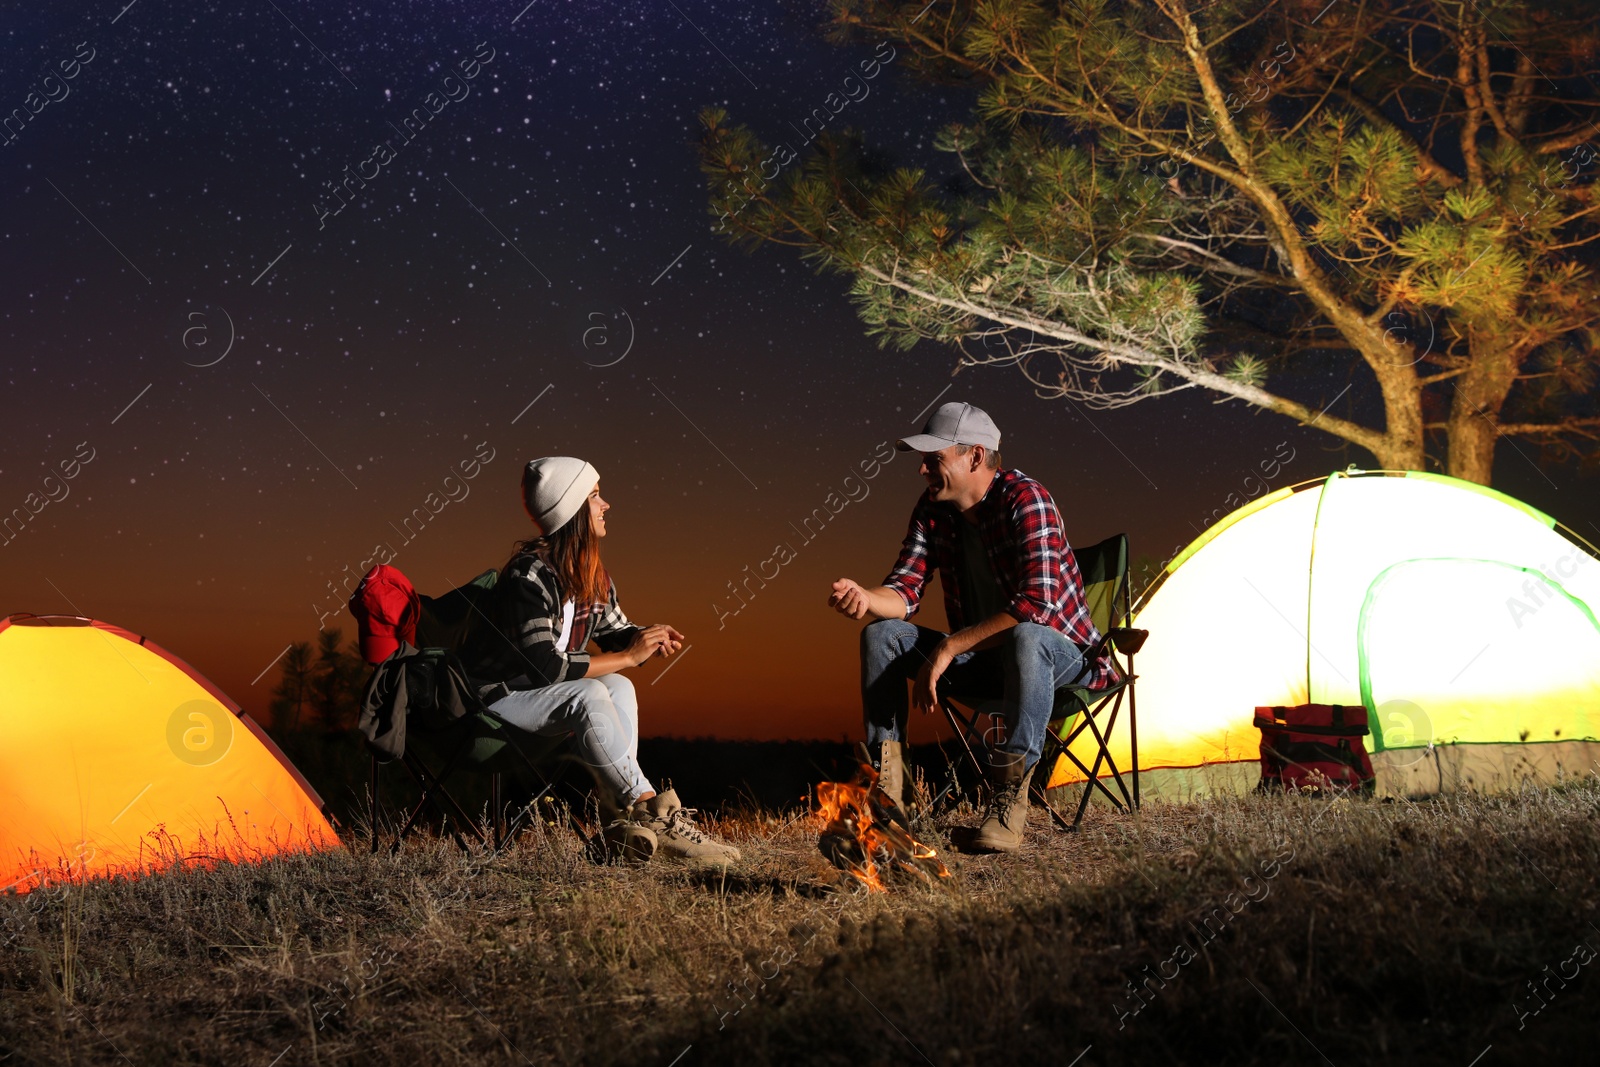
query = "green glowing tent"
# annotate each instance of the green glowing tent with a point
(1464, 620)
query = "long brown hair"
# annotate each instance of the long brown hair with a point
(574, 554)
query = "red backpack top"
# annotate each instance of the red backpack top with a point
(386, 609)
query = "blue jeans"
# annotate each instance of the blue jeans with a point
(603, 715)
(1023, 671)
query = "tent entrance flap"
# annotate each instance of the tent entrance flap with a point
(1473, 651)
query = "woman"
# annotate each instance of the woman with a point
(554, 597)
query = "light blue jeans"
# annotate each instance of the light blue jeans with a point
(603, 715)
(1023, 672)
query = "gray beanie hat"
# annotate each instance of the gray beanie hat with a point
(554, 488)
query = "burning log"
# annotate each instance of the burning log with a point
(866, 835)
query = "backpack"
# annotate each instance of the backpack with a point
(450, 620)
(388, 611)
(418, 681)
(1315, 748)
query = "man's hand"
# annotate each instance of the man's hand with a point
(925, 692)
(849, 599)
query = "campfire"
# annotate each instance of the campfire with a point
(866, 835)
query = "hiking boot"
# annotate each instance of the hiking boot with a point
(1007, 817)
(888, 759)
(627, 841)
(677, 836)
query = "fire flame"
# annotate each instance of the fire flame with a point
(866, 835)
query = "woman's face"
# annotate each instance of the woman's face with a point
(597, 511)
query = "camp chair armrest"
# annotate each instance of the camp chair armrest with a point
(1126, 639)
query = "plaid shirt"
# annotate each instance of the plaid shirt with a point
(1021, 531)
(520, 649)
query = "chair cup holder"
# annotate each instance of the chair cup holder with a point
(1128, 641)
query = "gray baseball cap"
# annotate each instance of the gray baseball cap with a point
(953, 424)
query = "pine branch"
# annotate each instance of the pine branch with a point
(1136, 356)
(1220, 263)
(1529, 429)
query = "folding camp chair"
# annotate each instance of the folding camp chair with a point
(479, 744)
(1104, 569)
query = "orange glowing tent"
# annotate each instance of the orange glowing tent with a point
(116, 757)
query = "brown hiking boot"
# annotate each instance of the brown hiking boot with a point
(888, 757)
(627, 841)
(1007, 817)
(677, 836)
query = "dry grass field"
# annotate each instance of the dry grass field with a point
(1273, 930)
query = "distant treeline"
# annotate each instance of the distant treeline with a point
(319, 685)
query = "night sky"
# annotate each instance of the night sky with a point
(256, 380)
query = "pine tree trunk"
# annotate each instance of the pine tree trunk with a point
(1402, 409)
(1473, 426)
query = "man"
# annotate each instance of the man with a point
(1014, 599)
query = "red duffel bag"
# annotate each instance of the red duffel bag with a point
(1315, 748)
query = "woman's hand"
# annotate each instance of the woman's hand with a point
(674, 640)
(657, 640)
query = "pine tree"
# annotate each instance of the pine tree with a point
(335, 687)
(1245, 197)
(293, 691)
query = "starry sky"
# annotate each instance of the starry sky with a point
(277, 275)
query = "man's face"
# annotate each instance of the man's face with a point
(944, 471)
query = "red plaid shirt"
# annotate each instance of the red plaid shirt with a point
(1021, 531)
